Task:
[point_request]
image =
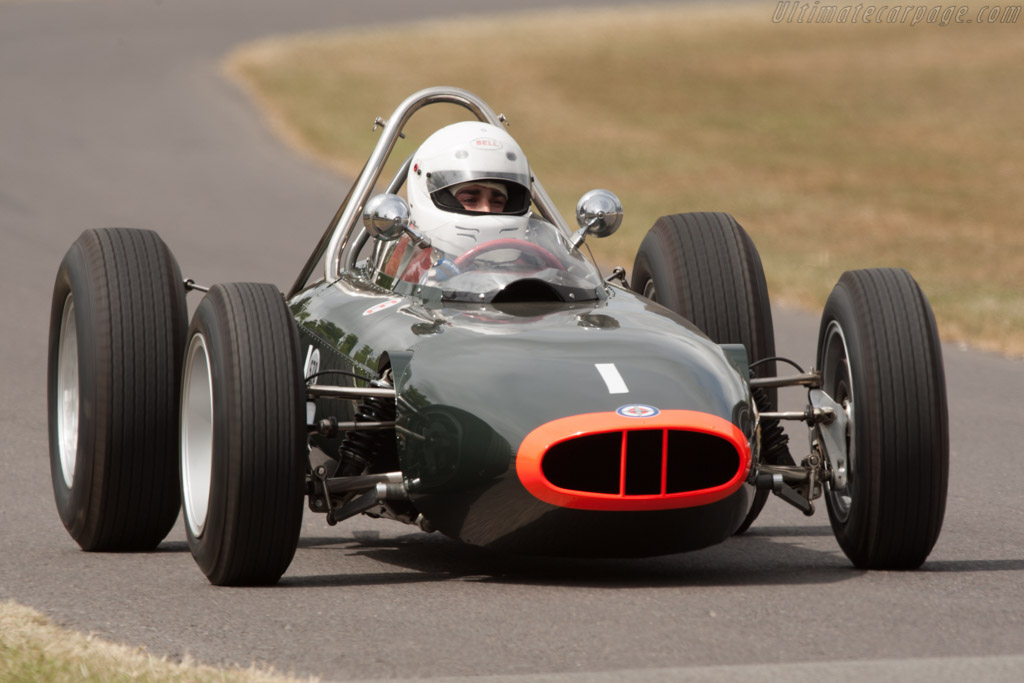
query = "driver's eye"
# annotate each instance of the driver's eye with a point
(476, 199)
(469, 200)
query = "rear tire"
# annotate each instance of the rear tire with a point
(705, 267)
(243, 459)
(117, 331)
(880, 357)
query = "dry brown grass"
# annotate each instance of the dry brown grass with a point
(32, 648)
(837, 146)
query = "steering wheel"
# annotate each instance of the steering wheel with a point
(522, 246)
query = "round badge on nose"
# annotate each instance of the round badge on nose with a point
(637, 410)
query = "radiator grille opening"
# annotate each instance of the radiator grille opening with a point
(586, 463)
(641, 462)
(699, 461)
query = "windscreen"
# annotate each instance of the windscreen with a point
(531, 264)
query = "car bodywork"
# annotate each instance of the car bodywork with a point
(509, 436)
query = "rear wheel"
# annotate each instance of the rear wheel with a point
(117, 330)
(879, 353)
(243, 442)
(705, 267)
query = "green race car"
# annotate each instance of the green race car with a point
(450, 359)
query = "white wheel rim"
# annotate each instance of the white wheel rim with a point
(842, 498)
(196, 435)
(67, 392)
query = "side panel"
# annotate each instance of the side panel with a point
(345, 327)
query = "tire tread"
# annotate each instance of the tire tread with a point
(902, 434)
(262, 435)
(132, 327)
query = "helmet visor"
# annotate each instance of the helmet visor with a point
(439, 184)
(440, 180)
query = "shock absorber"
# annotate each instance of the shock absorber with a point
(774, 440)
(370, 451)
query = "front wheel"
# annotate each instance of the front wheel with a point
(117, 329)
(881, 362)
(242, 435)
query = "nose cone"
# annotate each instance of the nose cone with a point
(576, 411)
(625, 461)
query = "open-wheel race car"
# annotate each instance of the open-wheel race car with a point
(457, 363)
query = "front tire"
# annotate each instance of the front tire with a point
(117, 331)
(242, 435)
(880, 357)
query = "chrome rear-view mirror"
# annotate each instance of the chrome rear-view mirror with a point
(598, 213)
(386, 216)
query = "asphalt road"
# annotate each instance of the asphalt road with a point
(115, 113)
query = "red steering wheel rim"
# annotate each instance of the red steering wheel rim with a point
(510, 243)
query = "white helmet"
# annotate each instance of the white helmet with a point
(460, 153)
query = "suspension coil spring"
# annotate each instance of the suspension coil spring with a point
(774, 440)
(364, 451)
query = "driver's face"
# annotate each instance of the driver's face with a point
(480, 198)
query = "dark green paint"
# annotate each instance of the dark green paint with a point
(474, 379)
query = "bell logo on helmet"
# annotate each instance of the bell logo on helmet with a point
(486, 143)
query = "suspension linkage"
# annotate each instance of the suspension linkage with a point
(190, 285)
(330, 427)
(810, 415)
(810, 379)
(798, 486)
(354, 393)
(377, 488)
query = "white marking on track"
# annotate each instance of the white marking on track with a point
(612, 379)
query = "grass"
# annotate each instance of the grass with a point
(32, 648)
(837, 146)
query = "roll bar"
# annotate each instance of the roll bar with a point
(340, 241)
